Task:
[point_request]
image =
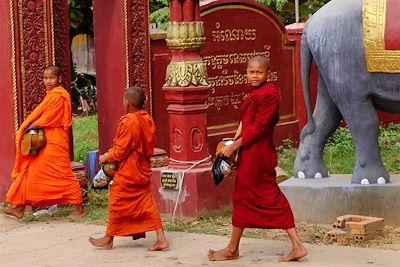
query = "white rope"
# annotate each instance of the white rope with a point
(194, 163)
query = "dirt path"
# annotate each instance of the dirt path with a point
(65, 244)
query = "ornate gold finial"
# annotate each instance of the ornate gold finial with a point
(185, 35)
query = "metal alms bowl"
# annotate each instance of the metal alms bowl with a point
(32, 141)
(110, 169)
(226, 142)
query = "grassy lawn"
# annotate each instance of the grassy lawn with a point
(338, 157)
(85, 136)
(339, 151)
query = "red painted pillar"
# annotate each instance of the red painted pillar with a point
(8, 122)
(121, 39)
(186, 88)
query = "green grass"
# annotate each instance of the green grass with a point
(339, 154)
(85, 136)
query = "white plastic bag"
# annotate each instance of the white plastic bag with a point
(100, 179)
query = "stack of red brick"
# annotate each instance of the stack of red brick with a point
(351, 229)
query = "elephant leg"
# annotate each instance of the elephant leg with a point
(364, 128)
(309, 159)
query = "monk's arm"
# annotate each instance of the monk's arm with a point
(122, 144)
(266, 106)
(53, 113)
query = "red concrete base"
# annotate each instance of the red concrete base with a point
(199, 195)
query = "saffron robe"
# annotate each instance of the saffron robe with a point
(257, 199)
(132, 208)
(46, 178)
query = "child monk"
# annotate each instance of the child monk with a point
(257, 199)
(46, 178)
(132, 210)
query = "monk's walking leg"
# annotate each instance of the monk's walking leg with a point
(161, 242)
(77, 213)
(298, 250)
(17, 212)
(105, 242)
(231, 252)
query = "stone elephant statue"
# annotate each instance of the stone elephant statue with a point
(333, 38)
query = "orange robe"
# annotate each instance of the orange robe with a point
(132, 208)
(47, 178)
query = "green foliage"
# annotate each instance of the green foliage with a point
(155, 5)
(80, 17)
(339, 154)
(161, 17)
(286, 9)
(85, 136)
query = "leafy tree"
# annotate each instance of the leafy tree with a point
(80, 17)
(159, 12)
(286, 9)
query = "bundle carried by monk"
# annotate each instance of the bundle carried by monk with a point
(105, 175)
(223, 166)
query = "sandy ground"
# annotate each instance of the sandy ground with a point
(65, 244)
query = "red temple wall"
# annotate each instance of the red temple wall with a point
(7, 125)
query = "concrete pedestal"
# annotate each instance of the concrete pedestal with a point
(322, 200)
(199, 195)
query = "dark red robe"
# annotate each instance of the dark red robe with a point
(257, 200)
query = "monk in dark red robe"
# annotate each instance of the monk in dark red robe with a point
(46, 178)
(132, 210)
(257, 199)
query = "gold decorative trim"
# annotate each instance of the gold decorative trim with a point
(53, 47)
(185, 35)
(23, 72)
(186, 73)
(127, 79)
(149, 57)
(377, 58)
(46, 30)
(14, 68)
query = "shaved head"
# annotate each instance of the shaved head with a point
(135, 96)
(54, 69)
(260, 60)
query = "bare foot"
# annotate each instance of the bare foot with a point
(295, 254)
(76, 214)
(222, 255)
(102, 242)
(159, 245)
(15, 212)
(138, 236)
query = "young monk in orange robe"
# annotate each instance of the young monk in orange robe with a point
(257, 200)
(46, 178)
(132, 210)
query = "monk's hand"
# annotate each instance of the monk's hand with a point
(227, 151)
(103, 158)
